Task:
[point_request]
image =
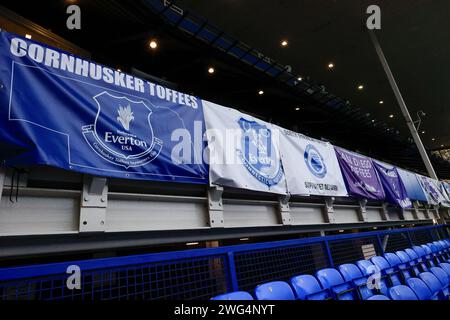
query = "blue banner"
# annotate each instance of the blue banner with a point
(60, 110)
(393, 187)
(413, 188)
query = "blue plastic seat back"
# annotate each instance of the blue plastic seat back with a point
(412, 254)
(442, 277)
(307, 287)
(237, 295)
(379, 297)
(432, 282)
(381, 263)
(352, 273)
(397, 268)
(419, 251)
(402, 292)
(276, 290)
(403, 256)
(393, 259)
(331, 279)
(420, 288)
(446, 267)
(368, 268)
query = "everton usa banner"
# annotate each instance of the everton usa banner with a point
(310, 165)
(359, 175)
(243, 151)
(60, 110)
(392, 185)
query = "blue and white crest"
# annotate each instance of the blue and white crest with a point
(314, 161)
(122, 132)
(259, 154)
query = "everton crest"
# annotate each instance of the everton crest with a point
(122, 133)
(259, 154)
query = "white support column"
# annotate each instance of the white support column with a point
(403, 107)
(329, 210)
(94, 200)
(285, 211)
(215, 207)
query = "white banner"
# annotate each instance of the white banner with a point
(243, 151)
(432, 190)
(310, 165)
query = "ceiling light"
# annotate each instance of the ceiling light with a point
(423, 132)
(373, 120)
(381, 102)
(192, 243)
(284, 43)
(432, 139)
(244, 239)
(211, 70)
(153, 44)
(298, 108)
(28, 36)
(360, 87)
(331, 65)
(299, 78)
(442, 145)
(391, 116)
(260, 92)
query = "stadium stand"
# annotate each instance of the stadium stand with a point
(218, 274)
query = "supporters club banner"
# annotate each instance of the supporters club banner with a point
(60, 110)
(310, 165)
(359, 175)
(243, 151)
(392, 185)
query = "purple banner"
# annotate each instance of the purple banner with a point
(393, 187)
(359, 175)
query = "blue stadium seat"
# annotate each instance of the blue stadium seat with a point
(405, 267)
(398, 265)
(420, 288)
(379, 297)
(433, 284)
(306, 287)
(387, 270)
(402, 292)
(368, 268)
(413, 261)
(421, 257)
(331, 279)
(353, 274)
(436, 252)
(429, 256)
(444, 278)
(276, 290)
(237, 295)
(446, 267)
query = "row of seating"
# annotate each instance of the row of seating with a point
(417, 273)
